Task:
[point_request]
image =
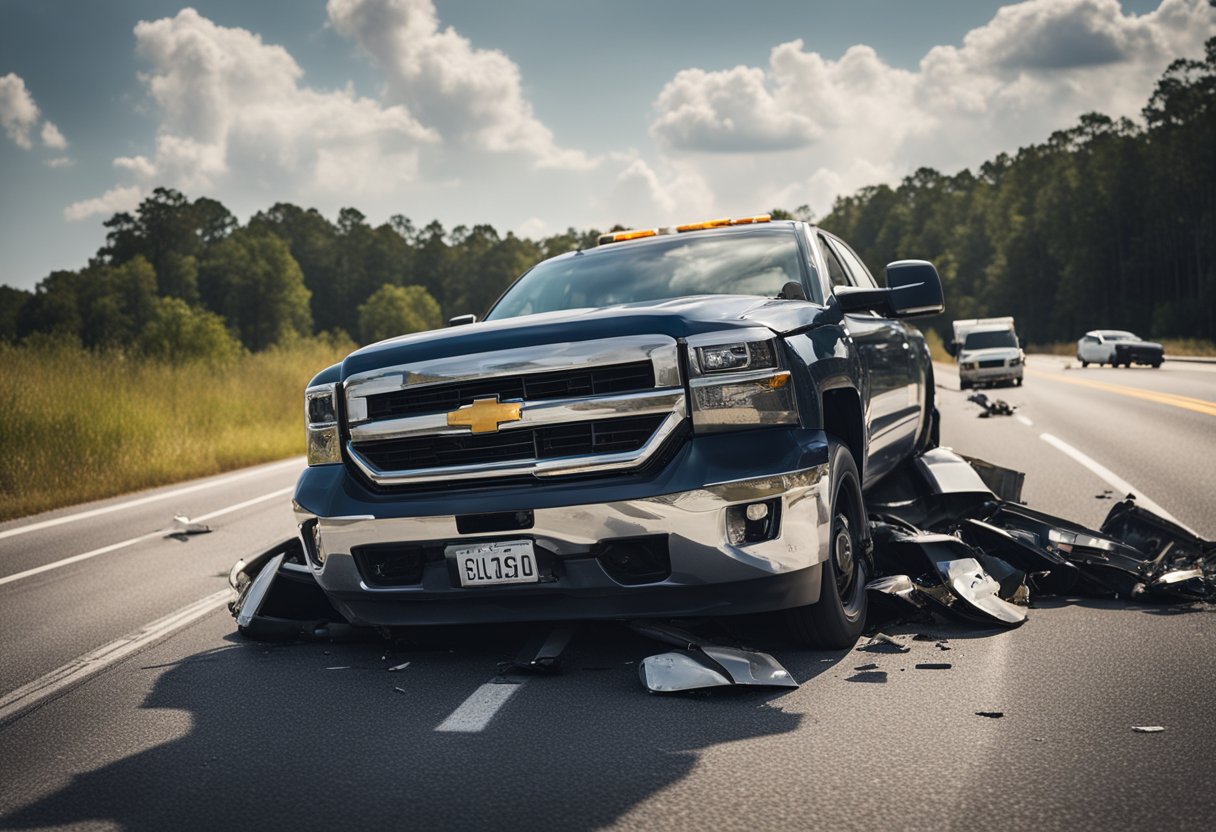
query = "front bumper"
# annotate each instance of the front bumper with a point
(991, 375)
(683, 505)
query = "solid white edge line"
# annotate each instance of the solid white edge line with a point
(1121, 485)
(47, 567)
(475, 713)
(76, 671)
(190, 489)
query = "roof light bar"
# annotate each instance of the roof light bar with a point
(622, 236)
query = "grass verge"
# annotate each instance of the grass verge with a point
(78, 426)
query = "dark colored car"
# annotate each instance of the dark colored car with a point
(679, 422)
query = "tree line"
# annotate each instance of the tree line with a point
(1108, 224)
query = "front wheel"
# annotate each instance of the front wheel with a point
(1083, 363)
(835, 622)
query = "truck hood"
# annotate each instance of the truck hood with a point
(992, 352)
(677, 318)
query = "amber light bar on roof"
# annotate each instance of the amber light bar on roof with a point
(622, 236)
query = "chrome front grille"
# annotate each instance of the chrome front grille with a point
(577, 407)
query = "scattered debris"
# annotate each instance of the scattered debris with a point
(990, 714)
(933, 665)
(883, 643)
(872, 676)
(401, 666)
(543, 651)
(1106, 494)
(184, 528)
(996, 407)
(1148, 729)
(339, 667)
(399, 690)
(870, 666)
(704, 665)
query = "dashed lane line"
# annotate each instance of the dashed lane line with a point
(152, 498)
(104, 550)
(475, 713)
(1118, 483)
(77, 671)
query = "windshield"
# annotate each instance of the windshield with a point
(989, 340)
(749, 262)
(1121, 336)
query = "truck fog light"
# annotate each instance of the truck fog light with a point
(753, 523)
(757, 511)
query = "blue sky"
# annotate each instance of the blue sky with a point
(535, 116)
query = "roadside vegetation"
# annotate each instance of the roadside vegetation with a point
(78, 425)
(183, 346)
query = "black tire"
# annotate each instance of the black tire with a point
(1017, 382)
(964, 385)
(1083, 363)
(836, 621)
(1156, 364)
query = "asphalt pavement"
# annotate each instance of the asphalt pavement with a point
(191, 727)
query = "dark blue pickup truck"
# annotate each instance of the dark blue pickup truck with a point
(678, 422)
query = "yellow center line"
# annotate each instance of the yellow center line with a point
(1171, 399)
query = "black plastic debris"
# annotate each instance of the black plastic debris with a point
(542, 652)
(991, 714)
(994, 407)
(278, 597)
(933, 665)
(883, 643)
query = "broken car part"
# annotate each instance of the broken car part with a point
(735, 665)
(278, 597)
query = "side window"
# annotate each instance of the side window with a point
(1089, 339)
(837, 275)
(860, 273)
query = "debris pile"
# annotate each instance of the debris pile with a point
(996, 407)
(951, 536)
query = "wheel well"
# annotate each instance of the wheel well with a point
(842, 418)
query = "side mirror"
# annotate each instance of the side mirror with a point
(461, 320)
(792, 291)
(915, 289)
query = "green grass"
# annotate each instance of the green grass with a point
(78, 426)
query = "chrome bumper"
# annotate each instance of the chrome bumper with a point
(693, 522)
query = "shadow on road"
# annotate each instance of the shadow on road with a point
(281, 740)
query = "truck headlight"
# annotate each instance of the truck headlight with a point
(321, 424)
(1015, 362)
(740, 384)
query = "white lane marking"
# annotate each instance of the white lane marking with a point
(47, 567)
(1121, 485)
(75, 672)
(475, 713)
(190, 489)
(1024, 421)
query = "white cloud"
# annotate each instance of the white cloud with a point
(235, 117)
(471, 96)
(60, 162)
(844, 123)
(52, 138)
(18, 112)
(111, 202)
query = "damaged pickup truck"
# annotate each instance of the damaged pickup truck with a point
(678, 422)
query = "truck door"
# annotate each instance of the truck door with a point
(882, 343)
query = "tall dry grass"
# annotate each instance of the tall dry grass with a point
(77, 425)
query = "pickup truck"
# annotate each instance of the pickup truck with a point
(678, 422)
(988, 352)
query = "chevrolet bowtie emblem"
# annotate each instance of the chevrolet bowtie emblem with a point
(484, 415)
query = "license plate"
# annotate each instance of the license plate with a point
(500, 562)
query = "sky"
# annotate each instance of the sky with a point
(536, 115)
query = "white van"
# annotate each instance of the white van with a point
(987, 351)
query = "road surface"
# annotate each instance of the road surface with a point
(127, 701)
